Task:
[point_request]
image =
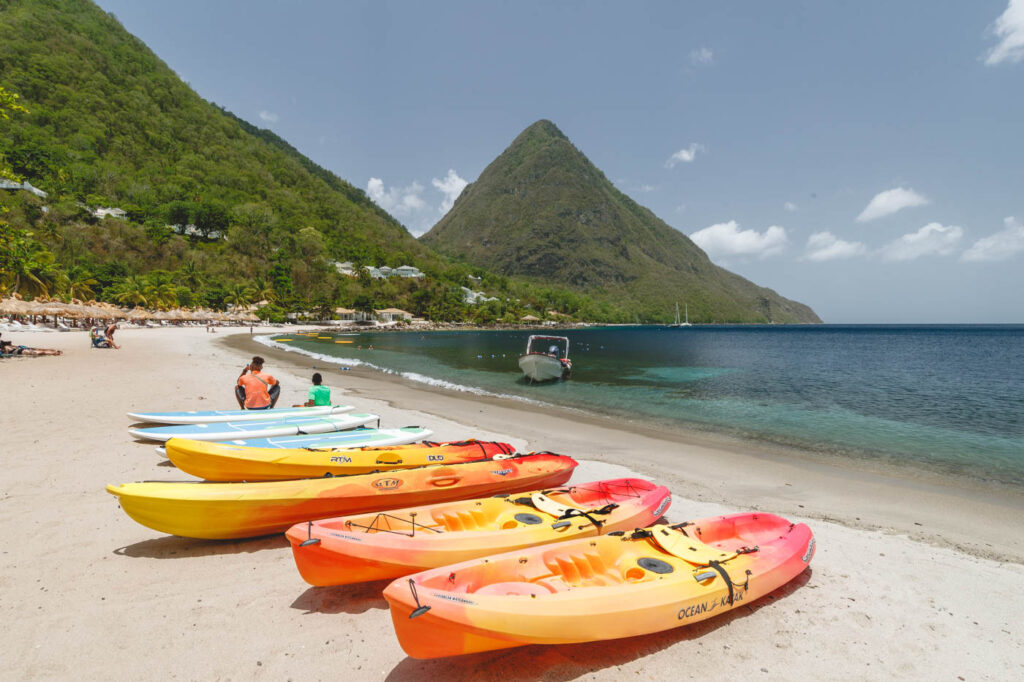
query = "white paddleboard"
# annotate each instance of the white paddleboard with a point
(257, 429)
(356, 438)
(213, 416)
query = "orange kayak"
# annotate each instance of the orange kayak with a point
(241, 510)
(598, 588)
(354, 549)
(215, 461)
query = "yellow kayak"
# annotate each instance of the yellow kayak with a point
(241, 510)
(226, 462)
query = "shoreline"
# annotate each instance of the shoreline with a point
(858, 493)
(126, 602)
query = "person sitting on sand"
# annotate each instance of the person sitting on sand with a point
(8, 348)
(98, 339)
(109, 333)
(318, 393)
(256, 390)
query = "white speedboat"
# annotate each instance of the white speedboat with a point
(546, 358)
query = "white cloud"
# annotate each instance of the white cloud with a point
(452, 186)
(789, 206)
(1002, 245)
(888, 202)
(823, 246)
(685, 155)
(702, 56)
(931, 240)
(268, 116)
(1009, 29)
(726, 239)
(401, 202)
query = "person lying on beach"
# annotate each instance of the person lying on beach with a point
(8, 348)
(318, 393)
(109, 333)
(256, 390)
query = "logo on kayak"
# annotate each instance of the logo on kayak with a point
(709, 606)
(387, 483)
(502, 472)
(341, 459)
(809, 553)
(435, 458)
(661, 506)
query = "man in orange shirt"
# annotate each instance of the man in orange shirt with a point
(254, 387)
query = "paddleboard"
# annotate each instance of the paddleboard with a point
(356, 438)
(213, 416)
(256, 429)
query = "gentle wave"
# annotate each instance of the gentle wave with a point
(411, 376)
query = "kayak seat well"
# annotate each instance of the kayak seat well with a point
(473, 519)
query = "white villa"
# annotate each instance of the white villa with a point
(383, 272)
(112, 212)
(470, 297)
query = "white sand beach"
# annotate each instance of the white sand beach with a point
(914, 578)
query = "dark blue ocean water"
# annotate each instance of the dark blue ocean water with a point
(946, 398)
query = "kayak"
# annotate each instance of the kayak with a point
(227, 462)
(240, 510)
(212, 416)
(360, 437)
(355, 549)
(257, 429)
(599, 588)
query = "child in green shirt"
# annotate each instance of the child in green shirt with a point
(318, 394)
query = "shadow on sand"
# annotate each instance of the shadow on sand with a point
(173, 547)
(569, 661)
(357, 598)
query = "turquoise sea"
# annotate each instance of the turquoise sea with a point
(947, 398)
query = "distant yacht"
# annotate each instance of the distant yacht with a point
(687, 322)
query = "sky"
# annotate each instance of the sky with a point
(865, 158)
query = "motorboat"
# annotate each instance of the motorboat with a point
(546, 358)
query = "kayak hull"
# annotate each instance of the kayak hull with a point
(596, 589)
(227, 462)
(239, 510)
(355, 549)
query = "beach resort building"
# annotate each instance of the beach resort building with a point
(348, 269)
(393, 315)
(352, 315)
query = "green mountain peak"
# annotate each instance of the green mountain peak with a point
(543, 211)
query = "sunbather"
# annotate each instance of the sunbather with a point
(8, 348)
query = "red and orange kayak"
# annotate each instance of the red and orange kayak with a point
(239, 510)
(228, 462)
(382, 545)
(598, 588)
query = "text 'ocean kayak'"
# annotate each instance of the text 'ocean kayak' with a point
(599, 588)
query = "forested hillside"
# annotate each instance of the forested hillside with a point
(106, 124)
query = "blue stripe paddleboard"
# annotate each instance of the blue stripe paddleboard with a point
(256, 429)
(213, 416)
(356, 438)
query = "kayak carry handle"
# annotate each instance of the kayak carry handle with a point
(704, 575)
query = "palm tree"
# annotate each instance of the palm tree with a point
(131, 290)
(239, 295)
(80, 284)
